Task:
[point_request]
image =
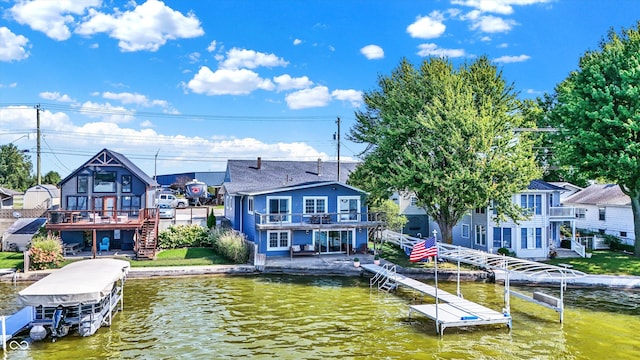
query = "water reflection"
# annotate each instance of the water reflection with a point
(296, 317)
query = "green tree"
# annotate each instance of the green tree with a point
(598, 116)
(15, 168)
(395, 220)
(51, 177)
(447, 135)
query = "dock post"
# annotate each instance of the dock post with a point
(4, 333)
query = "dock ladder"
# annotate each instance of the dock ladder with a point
(385, 278)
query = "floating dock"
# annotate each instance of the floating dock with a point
(453, 312)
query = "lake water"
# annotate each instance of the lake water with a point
(306, 317)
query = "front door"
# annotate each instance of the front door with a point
(106, 204)
(334, 241)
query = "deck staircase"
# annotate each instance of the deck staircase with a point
(146, 249)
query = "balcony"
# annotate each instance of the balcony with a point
(562, 213)
(62, 220)
(299, 221)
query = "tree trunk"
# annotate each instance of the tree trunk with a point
(635, 208)
(446, 231)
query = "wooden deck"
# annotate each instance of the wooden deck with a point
(453, 312)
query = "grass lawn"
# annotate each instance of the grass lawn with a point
(604, 262)
(183, 257)
(11, 260)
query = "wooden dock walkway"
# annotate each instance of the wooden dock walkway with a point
(453, 312)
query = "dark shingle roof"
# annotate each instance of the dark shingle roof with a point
(600, 194)
(543, 185)
(135, 170)
(245, 176)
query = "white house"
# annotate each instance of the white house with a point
(604, 208)
(531, 238)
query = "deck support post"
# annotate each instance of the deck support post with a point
(4, 334)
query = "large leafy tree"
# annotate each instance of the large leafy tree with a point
(447, 134)
(15, 168)
(52, 177)
(598, 116)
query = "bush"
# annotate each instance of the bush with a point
(613, 242)
(211, 220)
(179, 236)
(503, 251)
(45, 252)
(565, 244)
(229, 244)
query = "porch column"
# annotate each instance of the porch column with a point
(93, 247)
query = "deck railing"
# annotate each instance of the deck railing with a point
(98, 216)
(562, 212)
(284, 219)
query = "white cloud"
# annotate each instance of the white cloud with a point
(227, 82)
(308, 98)
(146, 124)
(433, 50)
(12, 46)
(243, 58)
(533, 92)
(503, 46)
(352, 96)
(10, 86)
(212, 46)
(23, 115)
(427, 27)
(297, 42)
(503, 7)
(55, 96)
(485, 38)
(492, 24)
(50, 17)
(107, 112)
(126, 98)
(194, 57)
(286, 82)
(146, 27)
(372, 52)
(512, 59)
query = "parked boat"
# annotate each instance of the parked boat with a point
(82, 296)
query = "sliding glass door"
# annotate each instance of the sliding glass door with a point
(334, 241)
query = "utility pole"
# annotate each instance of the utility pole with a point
(338, 140)
(155, 166)
(38, 144)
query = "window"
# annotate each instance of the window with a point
(623, 234)
(531, 238)
(502, 237)
(76, 203)
(481, 210)
(126, 183)
(481, 235)
(533, 203)
(83, 184)
(581, 213)
(465, 231)
(349, 208)
(278, 240)
(414, 201)
(601, 213)
(104, 181)
(131, 204)
(278, 209)
(315, 204)
(250, 205)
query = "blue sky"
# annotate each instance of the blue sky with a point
(200, 82)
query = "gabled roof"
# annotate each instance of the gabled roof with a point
(540, 185)
(600, 194)
(300, 186)
(108, 157)
(254, 176)
(8, 192)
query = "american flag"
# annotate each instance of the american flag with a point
(423, 250)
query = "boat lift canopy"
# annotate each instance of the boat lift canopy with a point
(81, 282)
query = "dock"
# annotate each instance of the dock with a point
(453, 312)
(12, 325)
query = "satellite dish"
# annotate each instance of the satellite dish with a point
(17, 215)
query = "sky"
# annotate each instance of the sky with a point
(182, 86)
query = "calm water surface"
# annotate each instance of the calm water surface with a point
(295, 317)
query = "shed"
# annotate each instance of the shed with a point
(41, 197)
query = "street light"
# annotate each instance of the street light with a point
(155, 166)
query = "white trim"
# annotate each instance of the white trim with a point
(345, 216)
(280, 232)
(285, 218)
(315, 198)
(250, 205)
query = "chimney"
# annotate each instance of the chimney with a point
(319, 167)
(259, 165)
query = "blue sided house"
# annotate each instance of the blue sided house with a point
(107, 204)
(297, 207)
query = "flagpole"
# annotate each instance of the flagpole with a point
(435, 239)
